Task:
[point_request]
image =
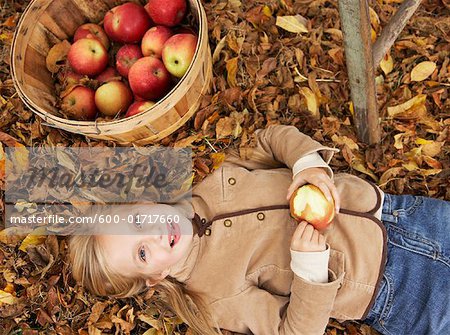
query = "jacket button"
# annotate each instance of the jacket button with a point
(231, 181)
(260, 216)
(207, 232)
(227, 223)
(203, 221)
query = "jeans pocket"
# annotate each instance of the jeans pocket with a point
(409, 206)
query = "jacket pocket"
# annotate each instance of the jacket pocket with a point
(336, 262)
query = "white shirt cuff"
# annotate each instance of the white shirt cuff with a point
(308, 161)
(311, 266)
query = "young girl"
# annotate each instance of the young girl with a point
(245, 265)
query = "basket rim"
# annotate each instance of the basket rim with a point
(202, 43)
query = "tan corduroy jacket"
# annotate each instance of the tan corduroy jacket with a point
(241, 263)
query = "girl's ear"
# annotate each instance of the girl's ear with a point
(150, 282)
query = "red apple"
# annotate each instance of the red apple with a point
(113, 97)
(108, 75)
(126, 23)
(154, 39)
(178, 52)
(80, 103)
(310, 204)
(127, 56)
(91, 30)
(88, 56)
(168, 13)
(148, 78)
(139, 107)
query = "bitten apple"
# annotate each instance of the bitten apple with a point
(126, 23)
(139, 107)
(79, 104)
(154, 39)
(126, 56)
(113, 97)
(310, 204)
(148, 78)
(168, 13)
(88, 57)
(91, 30)
(178, 52)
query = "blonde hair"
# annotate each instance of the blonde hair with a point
(90, 269)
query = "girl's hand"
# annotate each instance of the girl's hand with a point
(307, 239)
(318, 177)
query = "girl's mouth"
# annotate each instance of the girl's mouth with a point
(174, 233)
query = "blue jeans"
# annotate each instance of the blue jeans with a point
(414, 294)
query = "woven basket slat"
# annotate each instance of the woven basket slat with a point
(35, 67)
(62, 19)
(93, 10)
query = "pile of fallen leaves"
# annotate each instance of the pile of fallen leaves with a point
(274, 62)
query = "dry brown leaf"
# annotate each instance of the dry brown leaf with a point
(311, 100)
(225, 127)
(422, 71)
(389, 175)
(7, 298)
(387, 64)
(418, 100)
(293, 24)
(186, 142)
(232, 67)
(57, 55)
(429, 147)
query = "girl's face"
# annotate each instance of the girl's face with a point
(149, 246)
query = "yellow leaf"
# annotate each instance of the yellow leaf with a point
(9, 288)
(387, 64)
(374, 19)
(345, 140)
(293, 24)
(267, 11)
(417, 100)
(422, 71)
(398, 144)
(358, 164)
(410, 166)
(232, 66)
(34, 238)
(7, 298)
(218, 158)
(351, 108)
(311, 100)
(389, 175)
(373, 35)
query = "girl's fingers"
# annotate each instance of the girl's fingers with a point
(307, 233)
(337, 199)
(315, 237)
(324, 187)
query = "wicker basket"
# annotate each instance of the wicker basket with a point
(47, 22)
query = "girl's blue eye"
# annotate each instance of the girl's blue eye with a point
(142, 254)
